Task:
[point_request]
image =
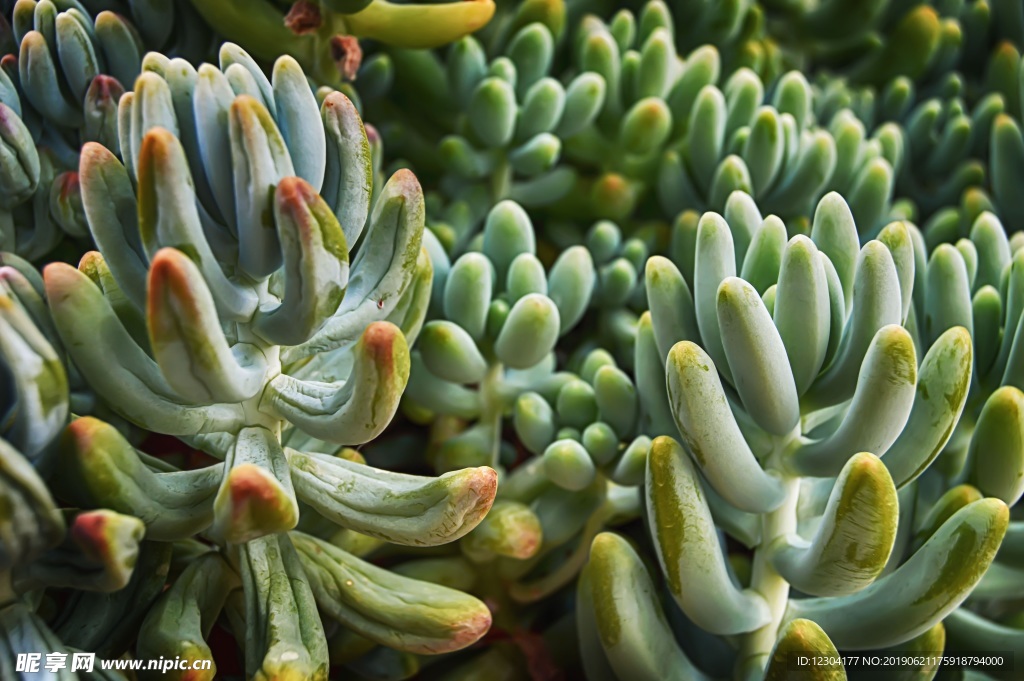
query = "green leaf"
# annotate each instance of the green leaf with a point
(712, 437)
(256, 497)
(715, 261)
(922, 591)
(450, 353)
(404, 509)
(285, 636)
(188, 342)
(804, 638)
(880, 408)
(510, 529)
(357, 409)
(854, 538)
(631, 626)
(876, 303)
(389, 609)
(801, 311)
(178, 625)
(757, 357)
(686, 542)
(108, 473)
(942, 388)
(996, 452)
(529, 333)
(568, 464)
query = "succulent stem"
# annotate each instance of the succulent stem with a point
(492, 407)
(501, 179)
(756, 647)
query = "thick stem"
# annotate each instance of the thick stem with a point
(501, 180)
(492, 407)
(756, 646)
(253, 415)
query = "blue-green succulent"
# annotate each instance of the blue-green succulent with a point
(90, 555)
(500, 313)
(793, 414)
(246, 324)
(658, 340)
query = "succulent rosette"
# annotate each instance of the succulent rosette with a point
(89, 556)
(802, 445)
(588, 459)
(500, 122)
(779, 154)
(242, 320)
(60, 86)
(985, 455)
(501, 315)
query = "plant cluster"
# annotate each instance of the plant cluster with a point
(512, 340)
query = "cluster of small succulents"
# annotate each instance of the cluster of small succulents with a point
(537, 339)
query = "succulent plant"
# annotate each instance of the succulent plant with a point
(737, 29)
(41, 202)
(508, 143)
(92, 550)
(500, 122)
(43, 210)
(515, 113)
(989, 174)
(551, 505)
(323, 34)
(985, 455)
(500, 315)
(650, 93)
(988, 30)
(34, 412)
(701, 317)
(792, 415)
(626, 118)
(27, 224)
(778, 154)
(74, 60)
(89, 554)
(875, 43)
(60, 89)
(1006, 165)
(975, 284)
(242, 317)
(588, 459)
(62, 50)
(618, 296)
